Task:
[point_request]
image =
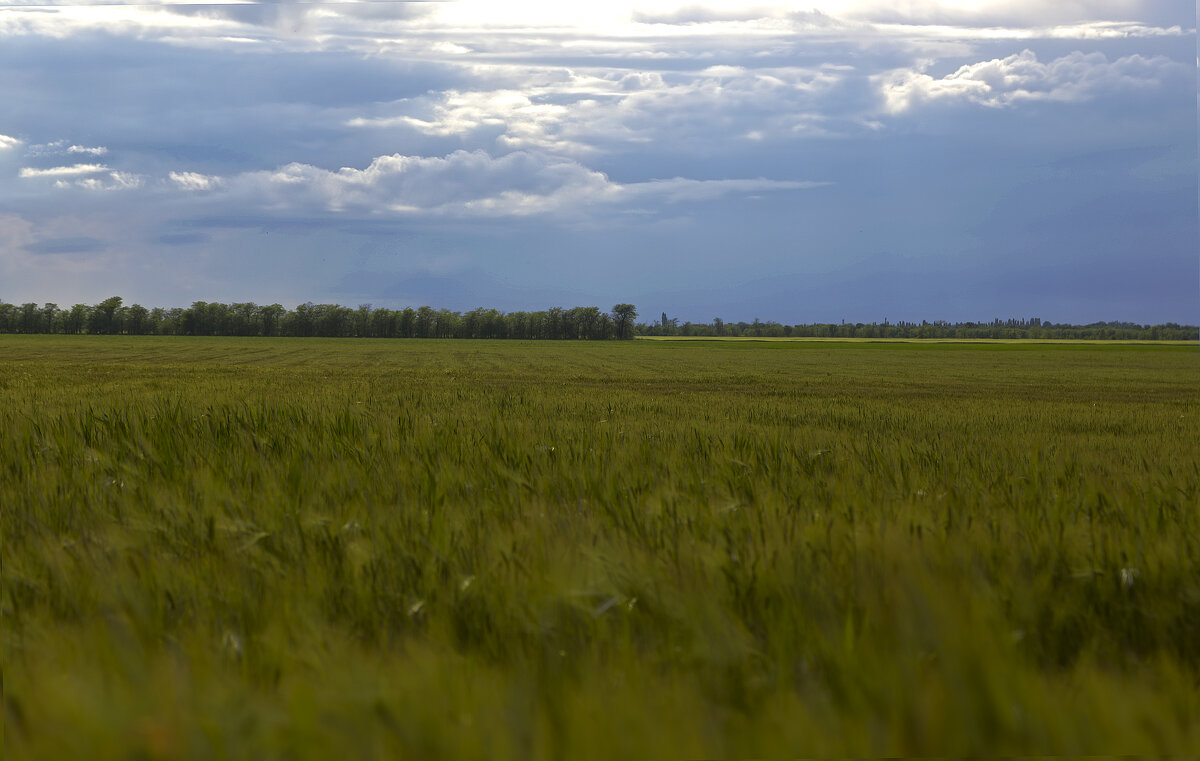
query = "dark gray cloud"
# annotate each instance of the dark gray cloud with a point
(296, 17)
(182, 238)
(71, 245)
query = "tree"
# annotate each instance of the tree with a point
(103, 317)
(624, 315)
(245, 319)
(49, 316)
(423, 325)
(137, 320)
(76, 318)
(405, 323)
(31, 318)
(361, 320)
(271, 317)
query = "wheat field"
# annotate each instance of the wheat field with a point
(301, 548)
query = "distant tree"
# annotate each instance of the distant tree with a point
(300, 322)
(137, 320)
(445, 323)
(103, 316)
(271, 317)
(361, 321)
(383, 324)
(554, 323)
(159, 321)
(406, 323)
(245, 319)
(423, 324)
(624, 315)
(77, 318)
(205, 318)
(50, 317)
(516, 325)
(31, 318)
(332, 320)
(586, 322)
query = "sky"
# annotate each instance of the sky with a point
(798, 162)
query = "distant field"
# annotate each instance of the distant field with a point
(314, 548)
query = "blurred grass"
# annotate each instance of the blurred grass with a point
(247, 548)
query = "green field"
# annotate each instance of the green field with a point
(307, 548)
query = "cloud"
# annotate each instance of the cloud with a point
(682, 189)
(28, 173)
(580, 113)
(15, 232)
(182, 239)
(110, 179)
(674, 131)
(113, 181)
(298, 18)
(1015, 13)
(8, 143)
(701, 14)
(32, 252)
(935, 35)
(70, 245)
(194, 180)
(1073, 78)
(463, 183)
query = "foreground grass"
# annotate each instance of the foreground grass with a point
(299, 548)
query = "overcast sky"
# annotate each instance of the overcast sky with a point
(797, 162)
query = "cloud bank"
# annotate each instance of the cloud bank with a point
(1002, 82)
(464, 183)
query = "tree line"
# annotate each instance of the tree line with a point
(1033, 328)
(202, 318)
(113, 316)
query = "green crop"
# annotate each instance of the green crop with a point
(304, 548)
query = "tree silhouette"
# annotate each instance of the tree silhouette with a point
(624, 315)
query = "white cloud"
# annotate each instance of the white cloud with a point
(1016, 13)
(63, 21)
(113, 181)
(698, 13)
(62, 171)
(7, 143)
(494, 31)
(194, 180)
(99, 150)
(463, 183)
(1092, 30)
(579, 113)
(85, 176)
(1001, 82)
